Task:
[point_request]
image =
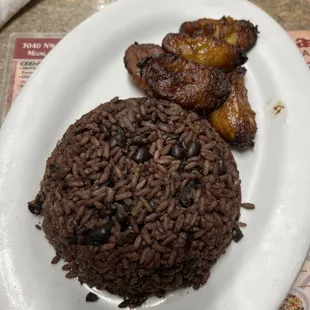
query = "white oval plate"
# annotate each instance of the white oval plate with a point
(85, 69)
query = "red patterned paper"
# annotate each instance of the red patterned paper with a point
(27, 56)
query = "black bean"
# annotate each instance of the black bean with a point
(53, 167)
(105, 131)
(193, 149)
(188, 242)
(108, 210)
(129, 236)
(192, 263)
(98, 236)
(185, 196)
(110, 183)
(64, 185)
(138, 140)
(237, 234)
(118, 140)
(73, 239)
(91, 297)
(141, 155)
(121, 214)
(38, 227)
(35, 207)
(72, 223)
(193, 183)
(222, 168)
(132, 302)
(177, 151)
(153, 203)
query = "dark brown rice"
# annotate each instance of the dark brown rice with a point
(128, 214)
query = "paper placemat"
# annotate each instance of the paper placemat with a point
(27, 51)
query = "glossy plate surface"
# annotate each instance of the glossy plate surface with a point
(85, 69)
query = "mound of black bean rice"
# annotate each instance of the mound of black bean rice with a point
(140, 197)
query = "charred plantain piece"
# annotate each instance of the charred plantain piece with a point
(134, 54)
(207, 51)
(235, 120)
(241, 33)
(185, 82)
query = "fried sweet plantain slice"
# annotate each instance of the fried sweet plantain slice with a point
(241, 33)
(134, 54)
(207, 51)
(185, 82)
(235, 120)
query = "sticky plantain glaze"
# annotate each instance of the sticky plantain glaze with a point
(185, 82)
(208, 51)
(241, 33)
(133, 55)
(235, 120)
